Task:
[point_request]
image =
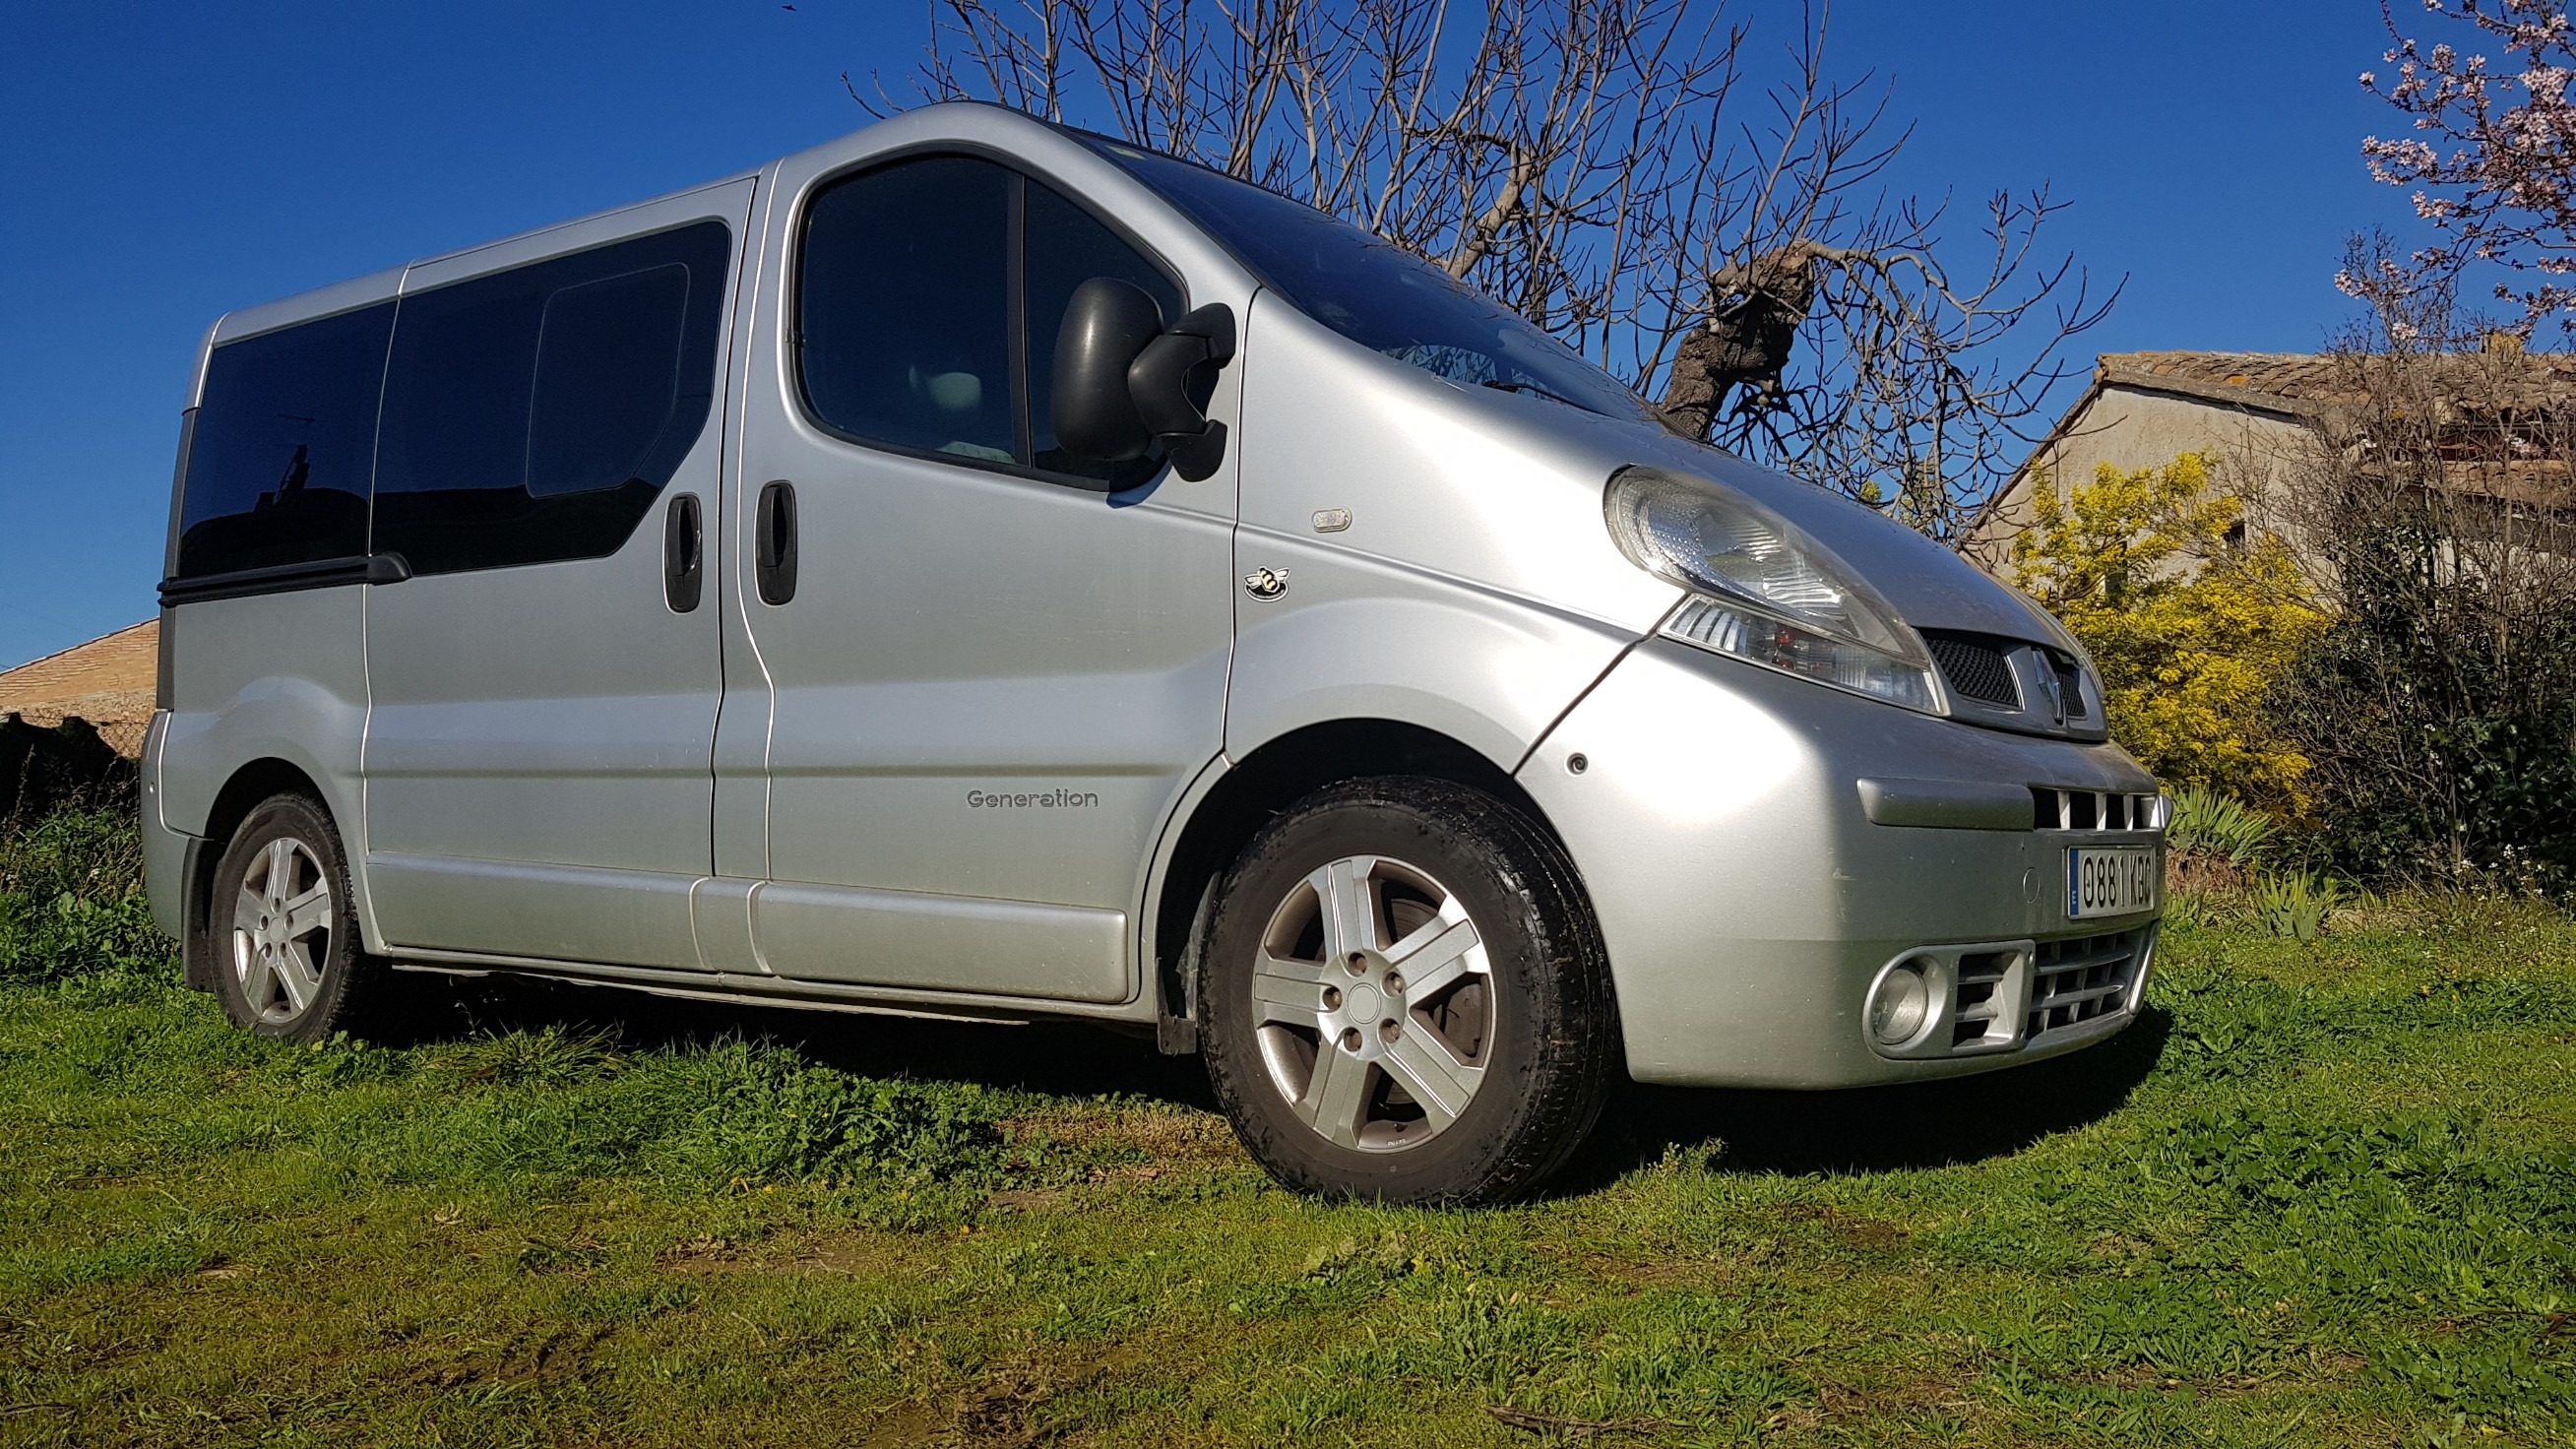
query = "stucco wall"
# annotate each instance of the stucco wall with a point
(2255, 452)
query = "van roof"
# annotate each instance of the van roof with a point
(381, 286)
(375, 287)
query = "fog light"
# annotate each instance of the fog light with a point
(1898, 1008)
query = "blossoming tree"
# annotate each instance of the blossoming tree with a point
(2490, 153)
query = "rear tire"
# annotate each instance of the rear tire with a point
(1404, 997)
(281, 935)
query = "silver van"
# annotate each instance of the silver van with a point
(978, 569)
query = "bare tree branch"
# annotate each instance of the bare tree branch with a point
(1580, 161)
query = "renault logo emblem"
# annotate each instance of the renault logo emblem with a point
(2055, 694)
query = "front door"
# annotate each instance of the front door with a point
(544, 687)
(996, 667)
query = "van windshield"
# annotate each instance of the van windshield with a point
(1376, 294)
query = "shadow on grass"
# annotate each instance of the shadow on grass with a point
(1864, 1130)
(1875, 1129)
(1060, 1059)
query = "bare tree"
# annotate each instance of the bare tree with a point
(1583, 162)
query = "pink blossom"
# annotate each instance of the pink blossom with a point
(2500, 187)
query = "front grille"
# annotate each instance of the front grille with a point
(2056, 809)
(2081, 979)
(1974, 668)
(2070, 683)
(1981, 1013)
(2005, 996)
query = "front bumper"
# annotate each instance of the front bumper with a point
(1749, 901)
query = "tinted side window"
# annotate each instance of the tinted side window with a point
(285, 437)
(1066, 248)
(535, 414)
(903, 308)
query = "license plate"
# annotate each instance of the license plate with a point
(2112, 880)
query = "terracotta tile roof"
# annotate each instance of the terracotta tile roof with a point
(2307, 383)
(107, 681)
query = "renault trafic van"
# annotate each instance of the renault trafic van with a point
(977, 569)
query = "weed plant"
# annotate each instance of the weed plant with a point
(72, 904)
(2319, 1193)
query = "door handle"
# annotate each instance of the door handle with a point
(774, 551)
(684, 554)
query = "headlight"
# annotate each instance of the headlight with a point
(1764, 591)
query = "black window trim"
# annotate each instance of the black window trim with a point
(792, 335)
(179, 488)
(321, 573)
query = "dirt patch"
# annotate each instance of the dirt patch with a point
(860, 1259)
(1852, 1231)
(533, 1357)
(1169, 1136)
(706, 1254)
(1003, 1407)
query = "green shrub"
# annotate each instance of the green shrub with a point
(2206, 823)
(2296, 903)
(72, 901)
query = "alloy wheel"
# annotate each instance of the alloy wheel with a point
(1373, 1003)
(282, 924)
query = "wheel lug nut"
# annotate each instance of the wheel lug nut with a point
(1394, 984)
(1358, 963)
(1351, 1039)
(1390, 1029)
(1332, 998)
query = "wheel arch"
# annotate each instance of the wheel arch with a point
(257, 780)
(1268, 780)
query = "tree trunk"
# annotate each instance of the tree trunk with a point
(1746, 340)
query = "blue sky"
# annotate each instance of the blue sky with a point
(165, 162)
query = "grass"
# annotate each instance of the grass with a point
(2322, 1194)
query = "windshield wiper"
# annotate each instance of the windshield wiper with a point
(1501, 384)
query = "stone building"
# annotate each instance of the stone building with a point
(2261, 417)
(106, 682)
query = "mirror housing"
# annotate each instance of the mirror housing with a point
(1107, 325)
(1123, 380)
(1172, 380)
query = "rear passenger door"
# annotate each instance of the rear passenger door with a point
(544, 687)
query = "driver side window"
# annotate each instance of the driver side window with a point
(929, 297)
(904, 308)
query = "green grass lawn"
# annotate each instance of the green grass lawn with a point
(2320, 1194)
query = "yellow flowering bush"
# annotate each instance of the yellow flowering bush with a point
(2190, 617)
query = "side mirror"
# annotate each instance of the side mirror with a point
(1122, 379)
(1106, 327)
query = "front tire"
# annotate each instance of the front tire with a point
(1404, 997)
(284, 943)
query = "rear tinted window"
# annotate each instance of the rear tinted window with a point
(284, 438)
(535, 414)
